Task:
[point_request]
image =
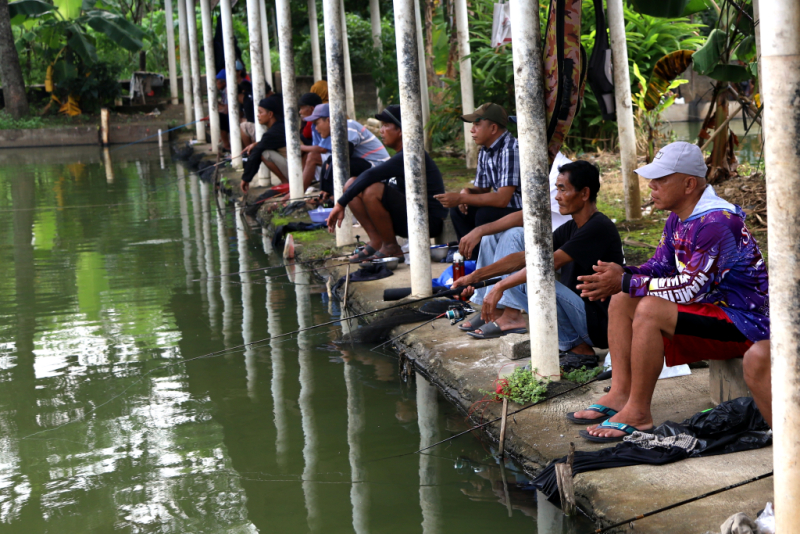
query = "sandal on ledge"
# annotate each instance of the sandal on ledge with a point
(599, 408)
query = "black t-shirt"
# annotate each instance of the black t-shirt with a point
(597, 240)
(273, 139)
(395, 168)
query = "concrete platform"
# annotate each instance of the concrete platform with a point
(462, 366)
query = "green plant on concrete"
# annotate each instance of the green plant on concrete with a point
(582, 375)
(521, 387)
(649, 122)
(7, 122)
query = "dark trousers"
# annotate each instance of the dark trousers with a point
(476, 216)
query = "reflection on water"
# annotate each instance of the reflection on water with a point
(750, 146)
(111, 422)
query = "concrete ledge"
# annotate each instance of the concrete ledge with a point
(726, 380)
(515, 346)
(44, 137)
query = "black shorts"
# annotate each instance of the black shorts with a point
(395, 203)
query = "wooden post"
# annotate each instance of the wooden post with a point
(104, 127)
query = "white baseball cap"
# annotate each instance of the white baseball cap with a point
(681, 156)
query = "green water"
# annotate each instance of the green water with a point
(106, 427)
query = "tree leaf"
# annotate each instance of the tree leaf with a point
(707, 58)
(64, 72)
(29, 8)
(69, 9)
(80, 44)
(730, 73)
(695, 6)
(746, 49)
(663, 8)
(116, 28)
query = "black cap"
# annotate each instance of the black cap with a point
(391, 115)
(310, 99)
(274, 104)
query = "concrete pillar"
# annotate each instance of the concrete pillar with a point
(348, 71)
(211, 75)
(534, 172)
(423, 76)
(375, 20)
(622, 96)
(465, 68)
(256, 60)
(194, 58)
(265, 50)
(290, 97)
(230, 80)
(186, 70)
(408, 60)
(334, 55)
(173, 67)
(757, 19)
(313, 31)
(780, 85)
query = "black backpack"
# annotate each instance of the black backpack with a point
(600, 75)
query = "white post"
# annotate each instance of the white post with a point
(622, 96)
(197, 97)
(291, 114)
(265, 44)
(423, 76)
(757, 19)
(334, 55)
(211, 75)
(780, 53)
(534, 172)
(348, 71)
(183, 33)
(413, 147)
(230, 80)
(256, 62)
(173, 67)
(375, 19)
(465, 68)
(313, 31)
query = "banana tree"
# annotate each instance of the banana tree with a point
(62, 31)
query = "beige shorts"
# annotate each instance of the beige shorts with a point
(278, 159)
(249, 128)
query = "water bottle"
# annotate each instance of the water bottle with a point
(458, 266)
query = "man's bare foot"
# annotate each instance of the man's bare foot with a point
(508, 322)
(639, 421)
(610, 400)
(393, 250)
(583, 349)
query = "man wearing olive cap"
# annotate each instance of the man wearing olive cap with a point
(497, 180)
(702, 296)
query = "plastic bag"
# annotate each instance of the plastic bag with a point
(766, 521)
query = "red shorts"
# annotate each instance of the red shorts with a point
(704, 332)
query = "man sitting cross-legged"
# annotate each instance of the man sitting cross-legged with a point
(579, 244)
(703, 295)
(271, 149)
(380, 206)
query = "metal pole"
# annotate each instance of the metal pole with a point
(256, 61)
(465, 67)
(423, 76)
(230, 81)
(211, 75)
(290, 110)
(265, 44)
(780, 53)
(186, 78)
(173, 67)
(413, 147)
(375, 19)
(197, 97)
(622, 94)
(334, 55)
(313, 31)
(348, 72)
(534, 171)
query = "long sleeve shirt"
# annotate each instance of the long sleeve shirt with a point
(712, 258)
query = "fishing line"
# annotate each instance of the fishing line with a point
(407, 332)
(276, 267)
(687, 501)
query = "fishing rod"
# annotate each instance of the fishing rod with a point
(487, 423)
(687, 501)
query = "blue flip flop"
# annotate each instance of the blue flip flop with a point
(628, 429)
(599, 408)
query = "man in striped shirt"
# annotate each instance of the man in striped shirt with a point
(497, 181)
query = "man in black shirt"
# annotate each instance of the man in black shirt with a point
(380, 206)
(271, 150)
(579, 244)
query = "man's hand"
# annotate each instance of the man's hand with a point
(469, 242)
(489, 306)
(463, 208)
(449, 200)
(248, 148)
(245, 186)
(335, 217)
(466, 282)
(606, 281)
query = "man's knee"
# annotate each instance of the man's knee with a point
(348, 183)
(652, 310)
(373, 191)
(757, 363)
(620, 305)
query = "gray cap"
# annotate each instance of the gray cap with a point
(682, 157)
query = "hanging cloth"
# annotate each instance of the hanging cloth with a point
(501, 25)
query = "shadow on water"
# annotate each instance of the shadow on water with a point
(107, 428)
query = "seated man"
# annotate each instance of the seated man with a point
(703, 295)
(222, 109)
(365, 149)
(579, 244)
(497, 182)
(271, 150)
(379, 206)
(306, 107)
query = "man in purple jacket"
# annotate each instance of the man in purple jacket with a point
(702, 296)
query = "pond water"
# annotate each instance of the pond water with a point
(112, 419)
(750, 146)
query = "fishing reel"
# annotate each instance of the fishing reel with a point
(458, 313)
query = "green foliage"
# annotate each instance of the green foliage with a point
(582, 375)
(648, 122)
(521, 387)
(97, 86)
(7, 122)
